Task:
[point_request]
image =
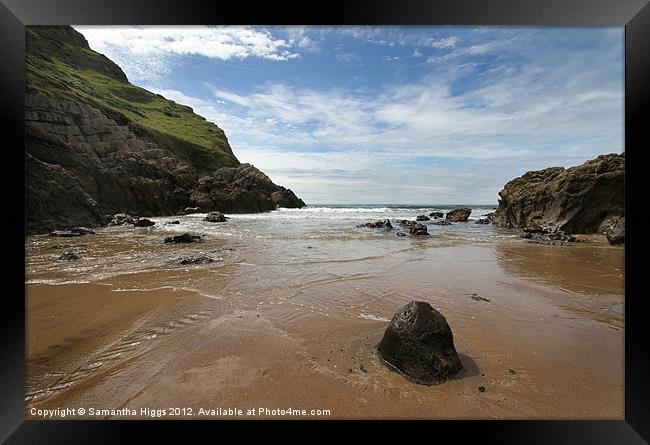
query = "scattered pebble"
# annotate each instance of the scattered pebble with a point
(481, 388)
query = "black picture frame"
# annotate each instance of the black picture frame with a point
(634, 15)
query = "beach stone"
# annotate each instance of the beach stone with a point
(189, 210)
(173, 222)
(418, 343)
(143, 222)
(195, 260)
(69, 256)
(436, 215)
(215, 217)
(418, 229)
(401, 234)
(459, 215)
(422, 218)
(483, 221)
(184, 238)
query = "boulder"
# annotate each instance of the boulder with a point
(215, 217)
(613, 228)
(418, 229)
(184, 238)
(422, 218)
(143, 222)
(459, 215)
(69, 256)
(436, 215)
(482, 221)
(121, 219)
(173, 222)
(419, 344)
(577, 200)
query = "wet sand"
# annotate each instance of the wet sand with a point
(294, 324)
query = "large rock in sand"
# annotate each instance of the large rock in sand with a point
(419, 344)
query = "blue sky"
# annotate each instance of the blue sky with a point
(407, 115)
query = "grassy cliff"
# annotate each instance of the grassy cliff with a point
(60, 64)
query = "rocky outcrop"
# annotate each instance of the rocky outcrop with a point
(422, 218)
(418, 343)
(436, 215)
(417, 229)
(459, 215)
(97, 145)
(386, 225)
(585, 199)
(241, 189)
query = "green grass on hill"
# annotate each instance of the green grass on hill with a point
(64, 68)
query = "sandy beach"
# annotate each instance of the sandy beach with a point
(294, 323)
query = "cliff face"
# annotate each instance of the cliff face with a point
(588, 198)
(97, 145)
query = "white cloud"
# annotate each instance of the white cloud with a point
(348, 58)
(146, 52)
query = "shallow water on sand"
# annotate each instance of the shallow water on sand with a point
(291, 310)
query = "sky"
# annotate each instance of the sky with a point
(404, 115)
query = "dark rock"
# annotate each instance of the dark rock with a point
(406, 223)
(190, 210)
(173, 222)
(215, 217)
(417, 229)
(184, 238)
(477, 297)
(547, 235)
(143, 222)
(401, 234)
(459, 215)
(422, 218)
(583, 199)
(482, 221)
(418, 343)
(614, 228)
(441, 222)
(436, 215)
(378, 225)
(83, 231)
(69, 256)
(615, 239)
(64, 233)
(195, 260)
(482, 389)
(121, 219)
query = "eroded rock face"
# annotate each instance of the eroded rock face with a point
(241, 189)
(585, 199)
(93, 149)
(459, 215)
(418, 343)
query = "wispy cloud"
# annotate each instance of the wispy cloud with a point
(146, 52)
(489, 105)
